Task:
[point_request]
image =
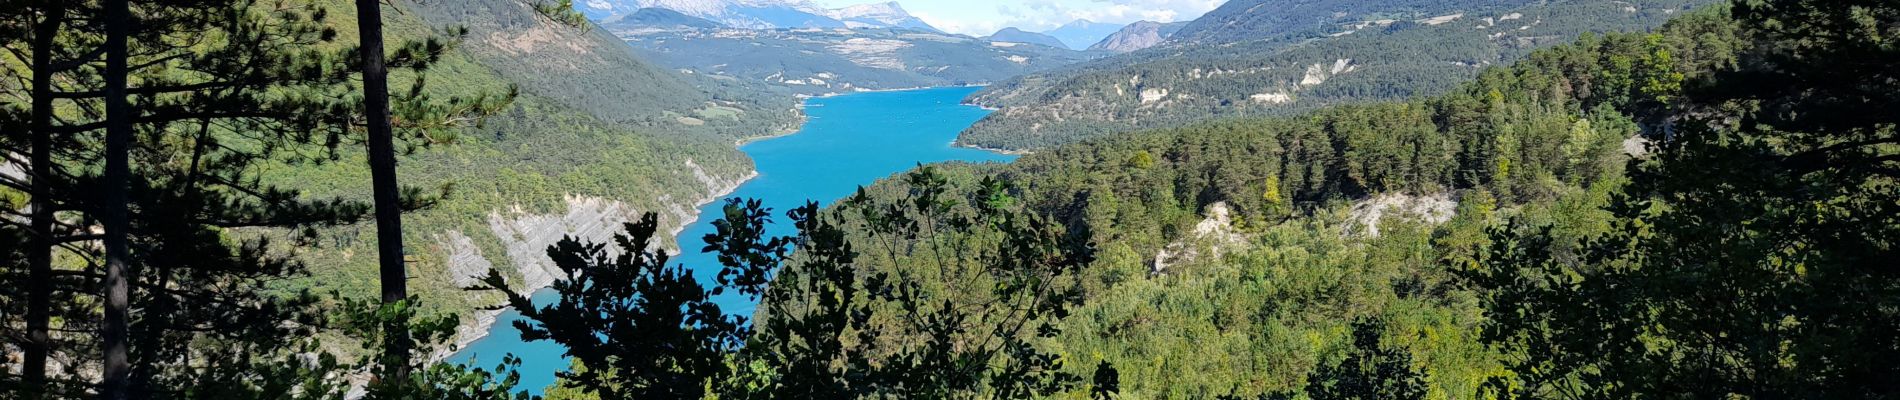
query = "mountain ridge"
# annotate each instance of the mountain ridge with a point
(658, 18)
(1014, 35)
(1138, 35)
(765, 14)
(881, 15)
(1376, 54)
(1081, 33)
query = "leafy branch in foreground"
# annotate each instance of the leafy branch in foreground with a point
(641, 328)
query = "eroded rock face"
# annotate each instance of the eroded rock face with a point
(1365, 216)
(1137, 36)
(466, 264)
(525, 237)
(1213, 236)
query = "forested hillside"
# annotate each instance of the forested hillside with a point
(1709, 209)
(588, 70)
(1371, 51)
(595, 137)
(1244, 250)
(1239, 21)
(1580, 224)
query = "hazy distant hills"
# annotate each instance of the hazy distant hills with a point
(1138, 35)
(1014, 35)
(821, 61)
(658, 18)
(1082, 33)
(1266, 57)
(764, 14)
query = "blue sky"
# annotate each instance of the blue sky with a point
(983, 17)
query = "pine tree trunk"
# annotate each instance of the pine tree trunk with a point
(40, 254)
(382, 165)
(117, 364)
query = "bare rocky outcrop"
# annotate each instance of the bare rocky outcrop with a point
(1366, 215)
(525, 237)
(1212, 237)
(1137, 36)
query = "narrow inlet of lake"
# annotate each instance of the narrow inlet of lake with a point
(849, 141)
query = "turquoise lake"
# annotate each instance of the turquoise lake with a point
(849, 141)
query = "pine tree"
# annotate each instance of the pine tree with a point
(386, 192)
(1752, 255)
(1370, 371)
(117, 363)
(39, 284)
(216, 89)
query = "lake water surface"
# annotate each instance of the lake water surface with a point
(850, 140)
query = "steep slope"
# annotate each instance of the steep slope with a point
(1137, 36)
(595, 138)
(1013, 35)
(1377, 57)
(880, 15)
(821, 61)
(588, 69)
(1081, 33)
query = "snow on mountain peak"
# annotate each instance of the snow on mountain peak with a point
(874, 10)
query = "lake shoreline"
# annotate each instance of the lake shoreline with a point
(483, 322)
(823, 158)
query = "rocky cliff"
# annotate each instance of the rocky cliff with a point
(526, 236)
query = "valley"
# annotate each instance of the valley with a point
(896, 199)
(824, 161)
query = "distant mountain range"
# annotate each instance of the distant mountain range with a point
(1138, 35)
(881, 15)
(815, 61)
(1082, 33)
(763, 14)
(658, 18)
(1013, 35)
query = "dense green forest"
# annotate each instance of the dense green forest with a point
(1547, 278)
(1707, 210)
(1256, 20)
(1540, 141)
(1371, 53)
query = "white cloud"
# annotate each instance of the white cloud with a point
(967, 26)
